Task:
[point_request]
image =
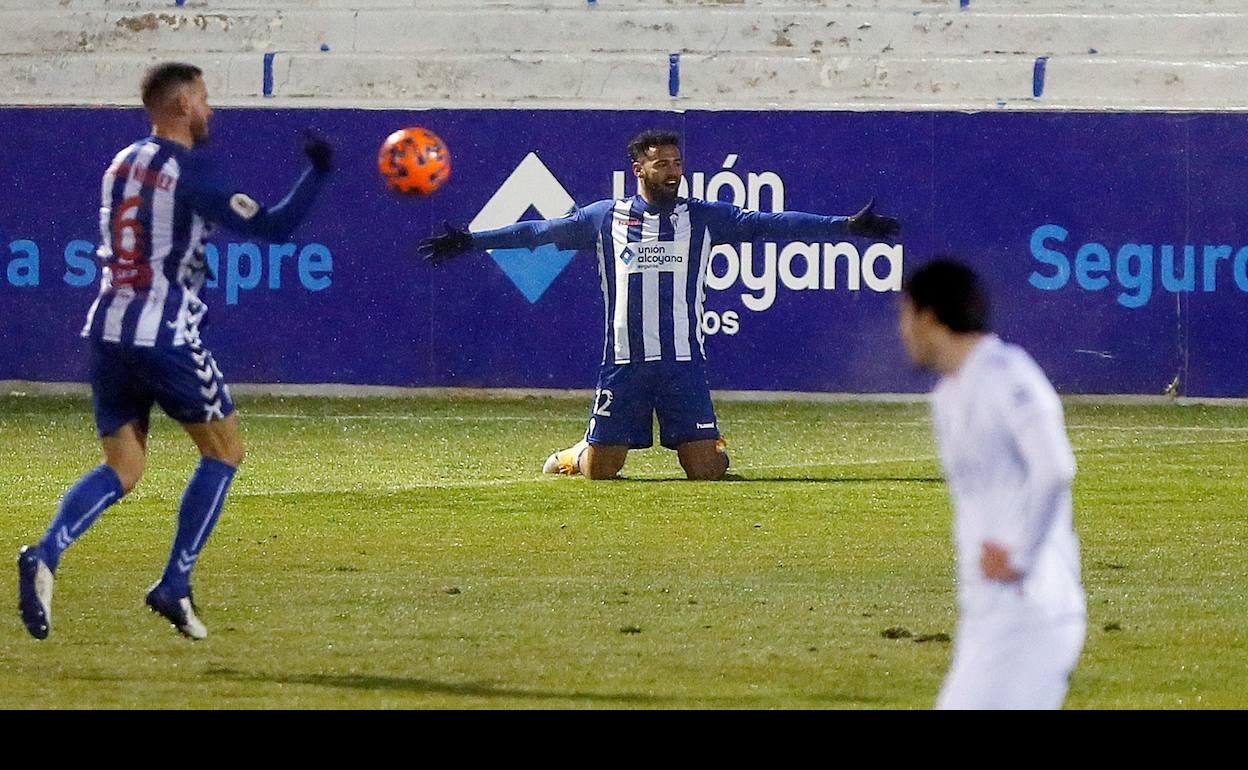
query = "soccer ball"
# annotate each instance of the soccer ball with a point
(414, 161)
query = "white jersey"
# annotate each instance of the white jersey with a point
(1009, 465)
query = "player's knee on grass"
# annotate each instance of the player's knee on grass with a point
(702, 460)
(602, 462)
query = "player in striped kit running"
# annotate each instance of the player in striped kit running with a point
(160, 201)
(653, 252)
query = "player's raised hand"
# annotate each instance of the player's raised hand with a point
(318, 149)
(871, 225)
(438, 249)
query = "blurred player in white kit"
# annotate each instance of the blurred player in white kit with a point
(1009, 466)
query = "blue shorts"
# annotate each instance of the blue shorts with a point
(629, 395)
(126, 380)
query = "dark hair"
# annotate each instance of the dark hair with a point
(162, 79)
(652, 138)
(952, 291)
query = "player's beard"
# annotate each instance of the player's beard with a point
(659, 192)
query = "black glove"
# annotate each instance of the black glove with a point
(442, 248)
(318, 150)
(871, 225)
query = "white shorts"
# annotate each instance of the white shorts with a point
(1015, 664)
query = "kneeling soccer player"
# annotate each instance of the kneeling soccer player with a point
(654, 249)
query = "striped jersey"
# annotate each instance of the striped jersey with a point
(652, 263)
(159, 203)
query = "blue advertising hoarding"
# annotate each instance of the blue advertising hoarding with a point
(1115, 245)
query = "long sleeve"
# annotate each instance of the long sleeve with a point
(730, 224)
(1040, 439)
(574, 231)
(242, 214)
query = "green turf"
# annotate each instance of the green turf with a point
(408, 554)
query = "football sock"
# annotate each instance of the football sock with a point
(80, 507)
(201, 507)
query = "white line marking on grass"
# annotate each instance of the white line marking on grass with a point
(833, 464)
(408, 417)
(1144, 428)
(932, 458)
(486, 483)
(830, 423)
(551, 418)
(1152, 444)
(373, 489)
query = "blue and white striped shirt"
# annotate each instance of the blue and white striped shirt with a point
(652, 261)
(159, 203)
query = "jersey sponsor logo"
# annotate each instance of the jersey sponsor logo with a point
(530, 187)
(652, 255)
(244, 205)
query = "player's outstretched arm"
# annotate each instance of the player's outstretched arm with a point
(238, 211)
(867, 224)
(439, 249)
(573, 231)
(741, 225)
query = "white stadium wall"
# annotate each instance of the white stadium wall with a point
(685, 54)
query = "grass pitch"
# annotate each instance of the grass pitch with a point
(409, 554)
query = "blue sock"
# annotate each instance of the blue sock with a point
(201, 507)
(80, 507)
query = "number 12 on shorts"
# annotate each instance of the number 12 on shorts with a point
(602, 402)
